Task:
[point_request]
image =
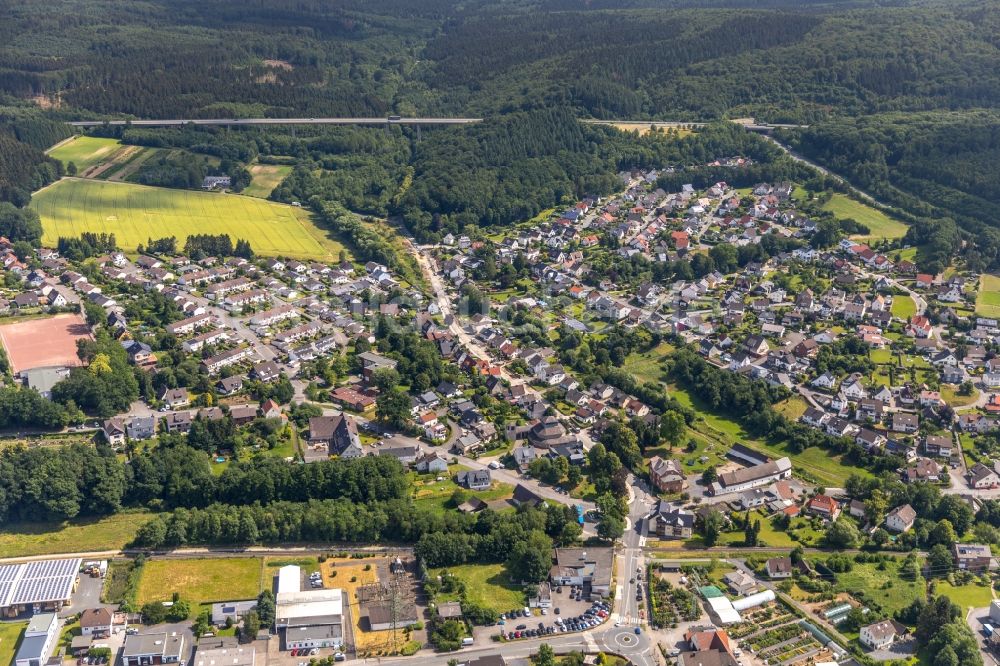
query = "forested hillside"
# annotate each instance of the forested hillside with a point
(922, 77)
(940, 167)
(783, 61)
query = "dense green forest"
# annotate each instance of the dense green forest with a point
(778, 60)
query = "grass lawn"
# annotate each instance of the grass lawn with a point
(773, 538)
(135, 213)
(488, 586)
(708, 452)
(819, 464)
(85, 151)
(903, 307)
(648, 366)
(266, 177)
(880, 356)
(884, 586)
(792, 408)
(879, 224)
(967, 596)
(111, 533)
(988, 299)
(431, 494)
(202, 580)
(950, 395)
(10, 639)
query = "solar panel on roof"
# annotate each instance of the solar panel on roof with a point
(37, 582)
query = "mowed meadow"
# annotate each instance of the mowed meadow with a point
(136, 213)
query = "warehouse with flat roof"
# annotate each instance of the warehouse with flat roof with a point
(41, 585)
(308, 618)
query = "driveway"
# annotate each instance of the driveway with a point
(87, 595)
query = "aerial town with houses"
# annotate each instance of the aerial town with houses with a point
(821, 399)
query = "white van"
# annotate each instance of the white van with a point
(467, 641)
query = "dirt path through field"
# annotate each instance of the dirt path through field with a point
(132, 166)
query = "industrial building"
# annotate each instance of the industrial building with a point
(308, 618)
(224, 651)
(42, 585)
(150, 649)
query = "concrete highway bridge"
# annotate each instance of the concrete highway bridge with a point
(749, 123)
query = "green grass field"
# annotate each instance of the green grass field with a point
(111, 533)
(135, 213)
(201, 581)
(774, 538)
(10, 638)
(85, 151)
(966, 596)
(885, 586)
(818, 464)
(988, 299)
(879, 224)
(647, 367)
(903, 307)
(266, 177)
(487, 585)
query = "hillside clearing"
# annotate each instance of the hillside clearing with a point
(266, 177)
(85, 151)
(879, 224)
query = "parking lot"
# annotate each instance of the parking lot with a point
(569, 612)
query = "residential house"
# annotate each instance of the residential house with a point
(901, 519)
(982, 477)
(175, 398)
(141, 427)
(339, 434)
(977, 558)
(673, 522)
(97, 622)
(824, 506)
(778, 568)
(667, 475)
(114, 431)
(923, 469)
(430, 463)
(474, 479)
(881, 635)
(739, 583)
